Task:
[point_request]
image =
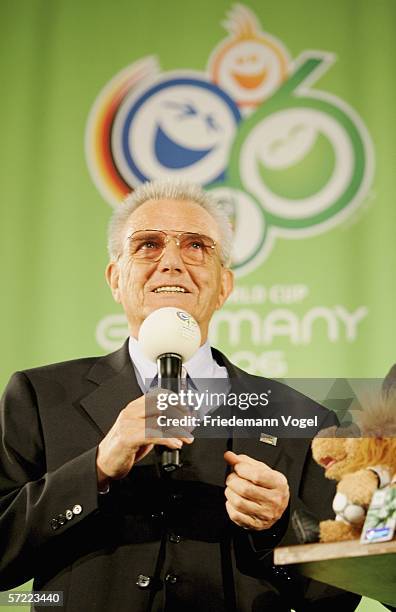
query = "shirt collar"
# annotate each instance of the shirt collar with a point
(201, 365)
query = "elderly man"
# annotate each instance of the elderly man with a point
(85, 508)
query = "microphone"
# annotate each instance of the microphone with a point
(169, 336)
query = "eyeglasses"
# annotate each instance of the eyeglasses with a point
(149, 245)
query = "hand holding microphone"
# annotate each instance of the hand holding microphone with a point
(128, 441)
(168, 336)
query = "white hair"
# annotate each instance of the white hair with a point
(169, 190)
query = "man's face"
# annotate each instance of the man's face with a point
(134, 283)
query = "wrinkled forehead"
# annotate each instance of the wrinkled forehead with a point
(179, 215)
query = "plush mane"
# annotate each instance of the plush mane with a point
(378, 419)
(377, 444)
(369, 452)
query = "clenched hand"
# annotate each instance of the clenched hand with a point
(257, 495)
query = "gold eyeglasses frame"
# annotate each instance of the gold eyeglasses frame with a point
(176, 236)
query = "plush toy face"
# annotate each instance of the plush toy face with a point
(343, 455)
(331, 452)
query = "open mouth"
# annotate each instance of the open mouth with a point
(170, 289)
(327, 462)
(173, 155)
(250, 81)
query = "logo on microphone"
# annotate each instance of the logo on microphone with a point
(184, 316)
(187, 319)
(287, 159)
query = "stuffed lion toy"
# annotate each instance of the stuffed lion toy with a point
(362, 459)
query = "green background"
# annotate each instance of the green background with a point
(55, 58)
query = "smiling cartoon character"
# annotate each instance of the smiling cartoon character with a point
(179, 123)
(249, 64)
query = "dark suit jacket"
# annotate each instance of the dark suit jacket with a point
(170, 534)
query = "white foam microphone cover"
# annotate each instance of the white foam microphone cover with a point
(169, 330)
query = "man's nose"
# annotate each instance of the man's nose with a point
(171, 258)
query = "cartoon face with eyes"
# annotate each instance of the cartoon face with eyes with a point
(249, 64)
(297, 162)
(249, 70)
(180, 123)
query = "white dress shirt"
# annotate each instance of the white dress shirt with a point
(202, 365)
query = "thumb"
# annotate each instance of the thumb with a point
(231, 458)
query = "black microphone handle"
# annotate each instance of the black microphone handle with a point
(169, 377)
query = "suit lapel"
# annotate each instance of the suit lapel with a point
(117, 386)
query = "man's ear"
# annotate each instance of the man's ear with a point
(112, 274)
(226, 286)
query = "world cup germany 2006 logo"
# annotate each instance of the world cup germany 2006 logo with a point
(286, 159)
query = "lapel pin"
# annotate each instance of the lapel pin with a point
(267, 439)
